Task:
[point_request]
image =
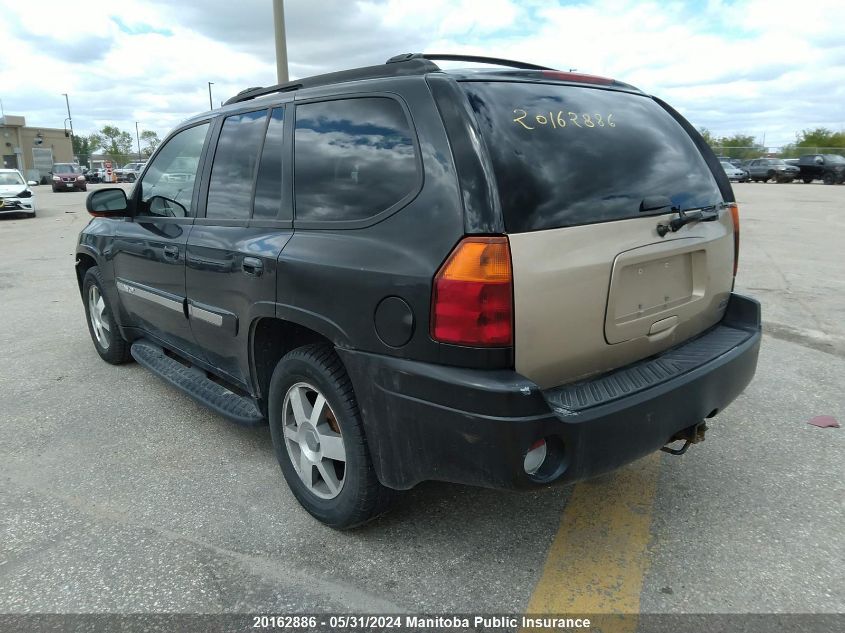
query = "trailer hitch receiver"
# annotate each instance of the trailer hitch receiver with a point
(690, 435)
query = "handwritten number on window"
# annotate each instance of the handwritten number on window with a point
(559, 119)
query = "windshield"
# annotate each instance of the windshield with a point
(567, 155)
(11, 178)
(834, 158)
(62, 168)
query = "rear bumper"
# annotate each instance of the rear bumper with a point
(433, 422)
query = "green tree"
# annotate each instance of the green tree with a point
(81, 148)
(820, 137)
(115, 143)
(739, 146)
(151, 141)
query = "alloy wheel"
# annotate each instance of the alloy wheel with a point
(97, 315)
(313, 440)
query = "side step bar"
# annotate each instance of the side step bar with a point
(194, 382)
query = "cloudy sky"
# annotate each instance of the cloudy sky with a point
(768, 67)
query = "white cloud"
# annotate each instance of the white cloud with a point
(752, 66)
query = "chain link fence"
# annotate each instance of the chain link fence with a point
(786, 151)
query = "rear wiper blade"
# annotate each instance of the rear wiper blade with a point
(702, 214)
(658, 204)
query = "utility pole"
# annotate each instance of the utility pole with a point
(138, 139)
(70, 118)
(210, 103)
(281, 44)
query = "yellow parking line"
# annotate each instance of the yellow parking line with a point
(597, 560)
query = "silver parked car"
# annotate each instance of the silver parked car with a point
(734, 173)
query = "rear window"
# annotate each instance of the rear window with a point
(567, 155)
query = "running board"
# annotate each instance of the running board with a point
(194, 382)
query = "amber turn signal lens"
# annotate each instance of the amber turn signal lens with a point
(479, 259)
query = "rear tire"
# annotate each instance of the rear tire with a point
(807, 181)
(108, 342)
(342, 490)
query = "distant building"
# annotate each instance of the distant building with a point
(32, 150)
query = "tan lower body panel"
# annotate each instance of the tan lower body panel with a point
(589, 299)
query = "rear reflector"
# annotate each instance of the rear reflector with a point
(472, 295)
(584, 79)
(735, 216)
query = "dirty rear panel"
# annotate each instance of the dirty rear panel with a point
(584, 176)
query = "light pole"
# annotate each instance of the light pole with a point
(210, 102)
(70, 118)
(281, 43)
(138, 139)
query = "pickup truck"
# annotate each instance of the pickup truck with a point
(129, 172)
(829, 168)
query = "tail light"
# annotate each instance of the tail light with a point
(735, 216)
(472, 295)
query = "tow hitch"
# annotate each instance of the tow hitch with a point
(690, 435)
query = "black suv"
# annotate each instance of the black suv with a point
(829, 168)
(503, 277)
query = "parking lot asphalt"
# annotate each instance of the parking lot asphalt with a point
(119, 494)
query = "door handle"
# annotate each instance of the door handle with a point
(171, 252)
(252, 266)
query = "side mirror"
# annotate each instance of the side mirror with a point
(819, 160)
(108, 203)
(31, 183)
(166, 207)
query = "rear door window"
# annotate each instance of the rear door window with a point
(353, 159)
(567, 155)
(235, 161)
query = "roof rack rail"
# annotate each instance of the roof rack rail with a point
(398, 66)
(415, 66)
(467, 58)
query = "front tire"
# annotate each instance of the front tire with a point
(108, 342)
(828, 179)
(319, 439)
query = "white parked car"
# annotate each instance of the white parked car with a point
(15, 193)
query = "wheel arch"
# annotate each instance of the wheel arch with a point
(270, 339)
(84, 261)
